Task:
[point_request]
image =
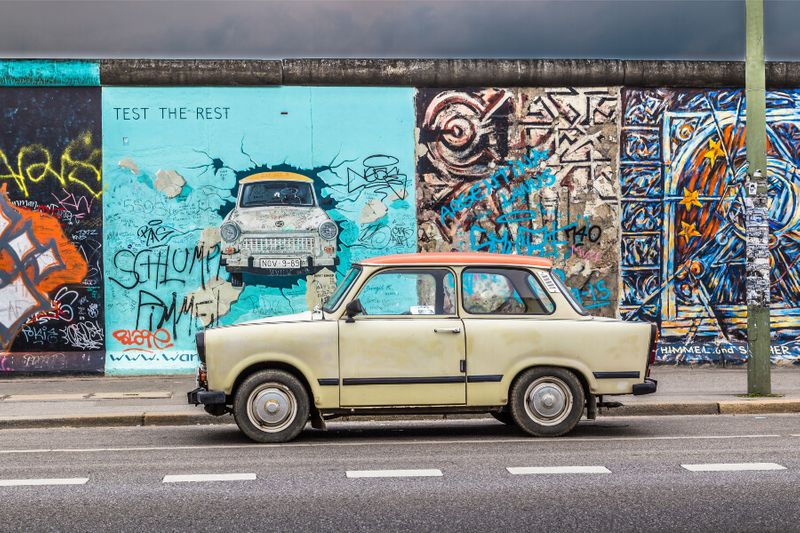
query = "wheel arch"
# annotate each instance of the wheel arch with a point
(273, 365)
(581, 373)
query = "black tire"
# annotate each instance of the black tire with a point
(236, 279)
(503, 416)
(264, 391)
(547, 401)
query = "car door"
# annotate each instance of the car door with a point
(507, 305)
(407, 347)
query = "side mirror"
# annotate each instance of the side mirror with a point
(326, 203)
(352, 309)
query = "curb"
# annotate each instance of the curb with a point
(753, 406)
(747, 407)
(732, 407)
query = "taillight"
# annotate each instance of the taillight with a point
(653, 347)
(200, 339)
(201, 376)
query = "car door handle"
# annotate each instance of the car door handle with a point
(447, 330)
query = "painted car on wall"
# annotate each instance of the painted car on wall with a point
(278, 227)
(420, 333)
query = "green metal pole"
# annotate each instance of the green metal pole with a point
(758, 268)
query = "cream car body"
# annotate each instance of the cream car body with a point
(442, 357)
(275, 233)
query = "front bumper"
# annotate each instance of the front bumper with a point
(648, 387)
(251, 263)
(203, 396)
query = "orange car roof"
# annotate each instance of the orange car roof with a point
(458, 258)
(270, 176)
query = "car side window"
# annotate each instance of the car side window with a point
(409, 292)
(488, 291)
(541, 298)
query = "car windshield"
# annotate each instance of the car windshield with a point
(265, 193)
(336, 298)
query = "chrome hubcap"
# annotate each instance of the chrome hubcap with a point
(548, 401)
(272, 407)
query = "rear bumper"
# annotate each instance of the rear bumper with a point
(206, 397)
(648, 387)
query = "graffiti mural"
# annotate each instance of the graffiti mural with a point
(51, 268)
(232, 204)
(524, 171)
(682, 170)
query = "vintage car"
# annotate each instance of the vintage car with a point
(277, 228)
(427, 333)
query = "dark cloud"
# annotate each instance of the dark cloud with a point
(697, 29)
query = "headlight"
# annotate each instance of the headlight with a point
(328, 231)
(229, 231)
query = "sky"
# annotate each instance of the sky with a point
(619, 29)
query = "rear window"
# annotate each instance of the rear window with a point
(574, 302)
(503, 291)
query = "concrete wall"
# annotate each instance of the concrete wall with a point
(627, 174)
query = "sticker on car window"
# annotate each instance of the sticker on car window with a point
(422, 310)
(549, 284)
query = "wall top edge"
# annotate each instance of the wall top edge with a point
(49, 73)
(390, 72)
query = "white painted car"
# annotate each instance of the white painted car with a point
(277, 228)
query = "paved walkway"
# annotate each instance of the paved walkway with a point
(99, 401)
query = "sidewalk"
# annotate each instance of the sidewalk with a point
(161, 400)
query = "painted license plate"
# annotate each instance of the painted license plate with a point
(280, 263)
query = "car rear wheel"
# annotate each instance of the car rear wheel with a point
(271, 406)
(547, 401)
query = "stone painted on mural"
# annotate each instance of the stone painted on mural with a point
(51, 268)
(267, 214)
(524, 171)
(683, 172)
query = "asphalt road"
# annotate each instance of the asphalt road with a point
(639, 478)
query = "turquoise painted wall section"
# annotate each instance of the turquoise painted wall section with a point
(173, 162)
(46, 72)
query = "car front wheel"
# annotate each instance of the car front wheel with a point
(271, 406)
(547, 401)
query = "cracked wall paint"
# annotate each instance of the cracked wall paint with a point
(213, 300)
(169, 182)
(319, 287)
(312, 155)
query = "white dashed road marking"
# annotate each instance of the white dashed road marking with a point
(208, 477)
(38, 482)
(524, 470)
(732, 467)
(431, 472)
